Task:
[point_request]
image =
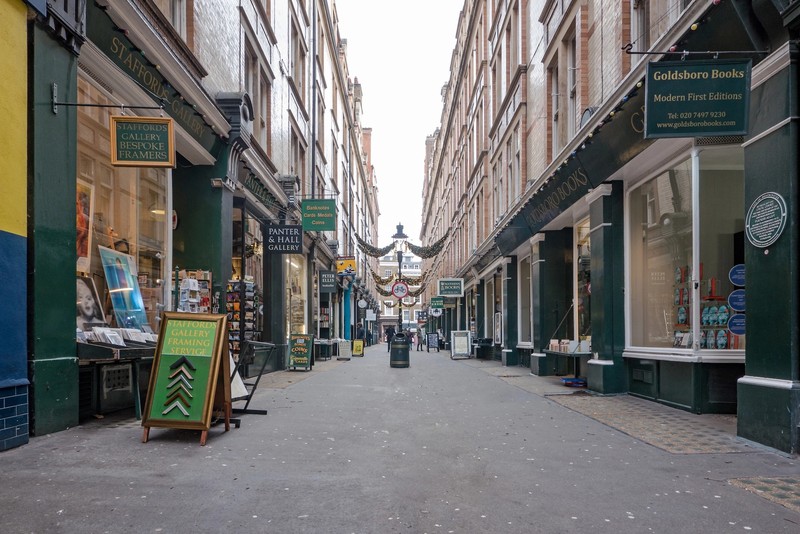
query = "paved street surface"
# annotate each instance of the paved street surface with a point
(444, 446)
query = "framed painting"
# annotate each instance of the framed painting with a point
(84, 214)
(89, 311)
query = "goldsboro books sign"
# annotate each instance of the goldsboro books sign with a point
(451, 287)
(697, 98)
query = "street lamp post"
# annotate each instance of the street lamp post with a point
(399, 238)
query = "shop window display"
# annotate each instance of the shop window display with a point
(244, 297)
(583, 286)
(121, 219)
(679, 294)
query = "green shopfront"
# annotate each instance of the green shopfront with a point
(672, 261)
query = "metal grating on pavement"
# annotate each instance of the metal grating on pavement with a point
(667, 428)
(782, 490)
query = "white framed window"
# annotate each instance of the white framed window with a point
(678, 268)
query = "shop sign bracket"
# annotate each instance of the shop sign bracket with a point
(56, 103)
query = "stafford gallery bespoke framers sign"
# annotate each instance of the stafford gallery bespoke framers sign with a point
(697, 98)
(142, 141)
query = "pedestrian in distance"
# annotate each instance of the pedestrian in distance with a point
(420, 338)
(360, 331)
(389, 336)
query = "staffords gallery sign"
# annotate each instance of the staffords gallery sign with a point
(697, 98)
(142, 141)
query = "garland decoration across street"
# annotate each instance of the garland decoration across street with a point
(369, 250)
(429, 251)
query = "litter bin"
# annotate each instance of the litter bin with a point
(484, 348)
(398, 353)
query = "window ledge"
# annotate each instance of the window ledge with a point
(687, 356)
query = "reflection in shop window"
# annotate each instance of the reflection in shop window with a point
(661, 256)
(679, 295)
(124, 208)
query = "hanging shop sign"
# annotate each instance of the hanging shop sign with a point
(300, 346)
(319, 215)
(697, 98)
(765, 220)
(190, 376)
(284, 239)
(437, 303)
(346, 265)
(436, 312)
(142, 141)
(451, 287)
(327, 282)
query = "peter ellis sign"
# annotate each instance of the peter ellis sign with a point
(142, 141)
(697, 98)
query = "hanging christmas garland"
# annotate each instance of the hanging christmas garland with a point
(384, 292)
(389, 304)
(429, 251)
(380, 280)
(369, 250)
(417, 292)
(417, 280)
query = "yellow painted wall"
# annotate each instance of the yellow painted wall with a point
(14, 117)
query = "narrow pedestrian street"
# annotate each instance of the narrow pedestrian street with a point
(443, 446)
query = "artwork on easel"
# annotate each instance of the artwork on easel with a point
(123, 288)
(84, 214)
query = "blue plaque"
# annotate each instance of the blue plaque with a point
(736, 275)
(736, 300)
(736, 324)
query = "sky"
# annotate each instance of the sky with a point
(400, 52)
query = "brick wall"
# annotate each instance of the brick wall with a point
(13, 417)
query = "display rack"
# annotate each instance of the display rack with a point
(714, 312)
(194, 291)
(241, 305)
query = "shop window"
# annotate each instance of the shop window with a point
(121, 223)
(296, 294)
(721, 230)
(679, 294)
(660, 255)
(525, 301)
(175, 12)
(583, 285)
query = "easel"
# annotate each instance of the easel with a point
(248, 356)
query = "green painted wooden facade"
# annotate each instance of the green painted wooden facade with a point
(52, 360)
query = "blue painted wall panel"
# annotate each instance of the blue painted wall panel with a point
(13, 295)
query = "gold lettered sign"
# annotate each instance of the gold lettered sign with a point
(190, 376)
(697, 98)
(300, 347)
(319, 215)
(142, 141)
